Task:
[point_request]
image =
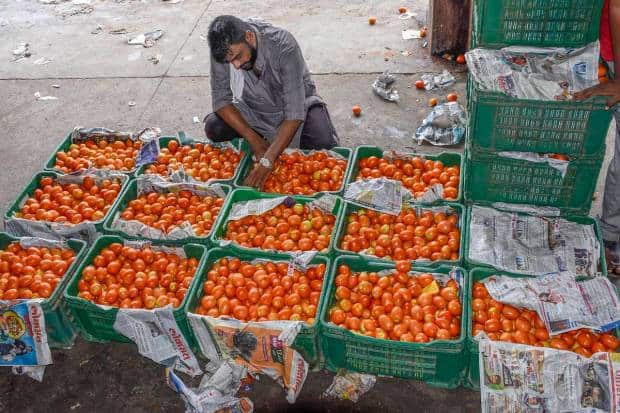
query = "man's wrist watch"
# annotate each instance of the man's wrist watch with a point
(265, 163)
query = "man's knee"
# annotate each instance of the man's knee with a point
(216, 129)
(318, 131)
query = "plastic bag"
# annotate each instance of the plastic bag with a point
(444, 126)
(350, 385)
(383, 88)
(381, 194)
(443, 80)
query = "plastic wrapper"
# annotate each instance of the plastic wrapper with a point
(23, 335)
(155, 183)
(543, 211)
(216, 391)
(158, 337)
(240, 210)
(558, 164)
(516, 378)
(262, 347)
(443, 80)
(19, 227)
(348, 385)
(444, 126)
(381, 194)
(383, 87)
(561, 302)
(535, 73)
(532, 245)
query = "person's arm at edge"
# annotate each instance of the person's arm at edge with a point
(610, 89)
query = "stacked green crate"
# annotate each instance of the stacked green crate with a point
(499, 123)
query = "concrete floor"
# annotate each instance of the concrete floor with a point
(98, 74)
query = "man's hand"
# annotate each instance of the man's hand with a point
(610, 89)
(257, 177)
(259, 147)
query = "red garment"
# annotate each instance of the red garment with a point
(607, 51)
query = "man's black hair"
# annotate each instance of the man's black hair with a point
(223, 32)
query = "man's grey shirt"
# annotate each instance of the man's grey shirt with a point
(282, 90)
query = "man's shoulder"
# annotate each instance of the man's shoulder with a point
(274, 35)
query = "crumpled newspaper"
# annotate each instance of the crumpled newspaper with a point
(158, 337)
(531, 244)
(443, 80)
(348, 385)
(535, 73)
(562, 302)
(382, 87)
(444, 126)
(216, 391)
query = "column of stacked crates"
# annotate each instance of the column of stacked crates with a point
(573, 130)
(567, 129)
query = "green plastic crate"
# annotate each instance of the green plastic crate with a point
(130, 193)
(240, 195)
(306, 340)
(64, 146)
(345, 152)
(541, 23)
(238, 143)
(493, 178)
(440, 363)
(365, 151)
(502, 123)
(94, 322)
(34, 184)
(350, 208)
(579, 219)
(472, 379)
(60, 331)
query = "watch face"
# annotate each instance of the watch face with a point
(265, 162)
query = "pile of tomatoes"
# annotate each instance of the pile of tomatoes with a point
(70, 203)
(119, 155)
(296, 173)
(201, 161)
(397, 306)
(504, 322)
(261, 291)
(416, 174)
(32, 272)
(126, 277)
(295, 228)
(429, 235)
(166, 211)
